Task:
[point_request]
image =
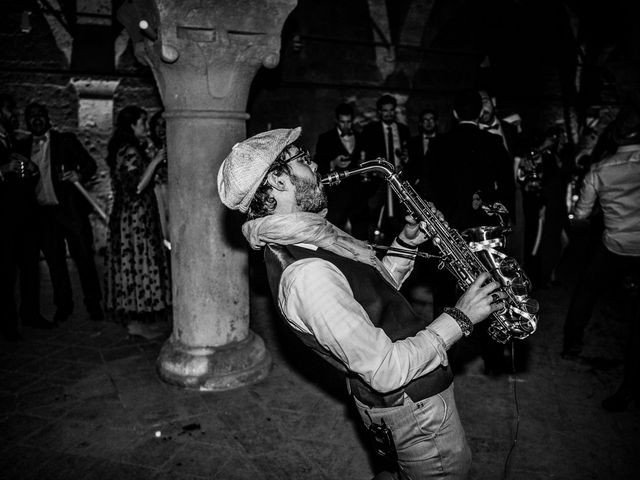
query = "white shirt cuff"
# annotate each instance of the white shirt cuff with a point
(447, 329)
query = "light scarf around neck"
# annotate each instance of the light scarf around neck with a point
(313, 229)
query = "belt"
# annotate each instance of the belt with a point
(418, 389)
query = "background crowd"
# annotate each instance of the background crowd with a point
(484, 158)
(45, 207)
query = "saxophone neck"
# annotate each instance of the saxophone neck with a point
(377, 165)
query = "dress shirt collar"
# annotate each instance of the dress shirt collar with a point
(393, 125)
(348, 141)
(42, 138)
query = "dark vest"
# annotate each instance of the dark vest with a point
(386, 308)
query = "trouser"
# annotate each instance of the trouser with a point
(428, 435)
(603, 268)
(56, 227)
(18, 253)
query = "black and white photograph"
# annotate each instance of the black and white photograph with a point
(319, 239)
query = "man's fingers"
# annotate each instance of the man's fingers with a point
(409, 219)
(490, 287)
(497, 306)
(480, 279)
(498, 296)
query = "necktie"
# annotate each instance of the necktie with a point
(425, 144)
(390, 156)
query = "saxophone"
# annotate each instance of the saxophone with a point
(518, 318)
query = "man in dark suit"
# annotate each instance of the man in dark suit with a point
(507, 127)
(419, 146)
(467, 167)
(18, 240)
(63, 211)
(339, 149)
(388, 139)
(465, 164)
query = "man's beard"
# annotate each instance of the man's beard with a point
(310, 194)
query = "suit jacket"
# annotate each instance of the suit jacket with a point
(329, 146)
(67, 151)
(373, 139)
(462, 162)
(17, 195)
(346, 200)
(415, 170)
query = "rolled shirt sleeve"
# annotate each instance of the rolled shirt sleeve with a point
(316, 298)
(588, 195)
(398, 267)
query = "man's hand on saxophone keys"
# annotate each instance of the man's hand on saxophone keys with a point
(415, 233)
(480, 301)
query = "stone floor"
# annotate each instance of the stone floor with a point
(83, 401)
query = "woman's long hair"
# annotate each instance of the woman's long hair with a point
(123, 134)
(156, 118)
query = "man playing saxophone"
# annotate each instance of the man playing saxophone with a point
(343, 302)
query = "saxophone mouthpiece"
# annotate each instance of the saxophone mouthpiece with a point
(332, 178)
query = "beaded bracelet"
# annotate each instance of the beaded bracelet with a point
(461, 319)
(404, 244)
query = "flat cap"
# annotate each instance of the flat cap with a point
(242, 172)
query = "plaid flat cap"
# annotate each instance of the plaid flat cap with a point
(242, 172)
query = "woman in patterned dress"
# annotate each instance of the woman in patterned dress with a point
(138, 289)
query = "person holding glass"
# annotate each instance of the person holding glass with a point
(18, 231)
(138, 289)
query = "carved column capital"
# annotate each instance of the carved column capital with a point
(215, 47)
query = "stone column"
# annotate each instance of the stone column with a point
(204, 56)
